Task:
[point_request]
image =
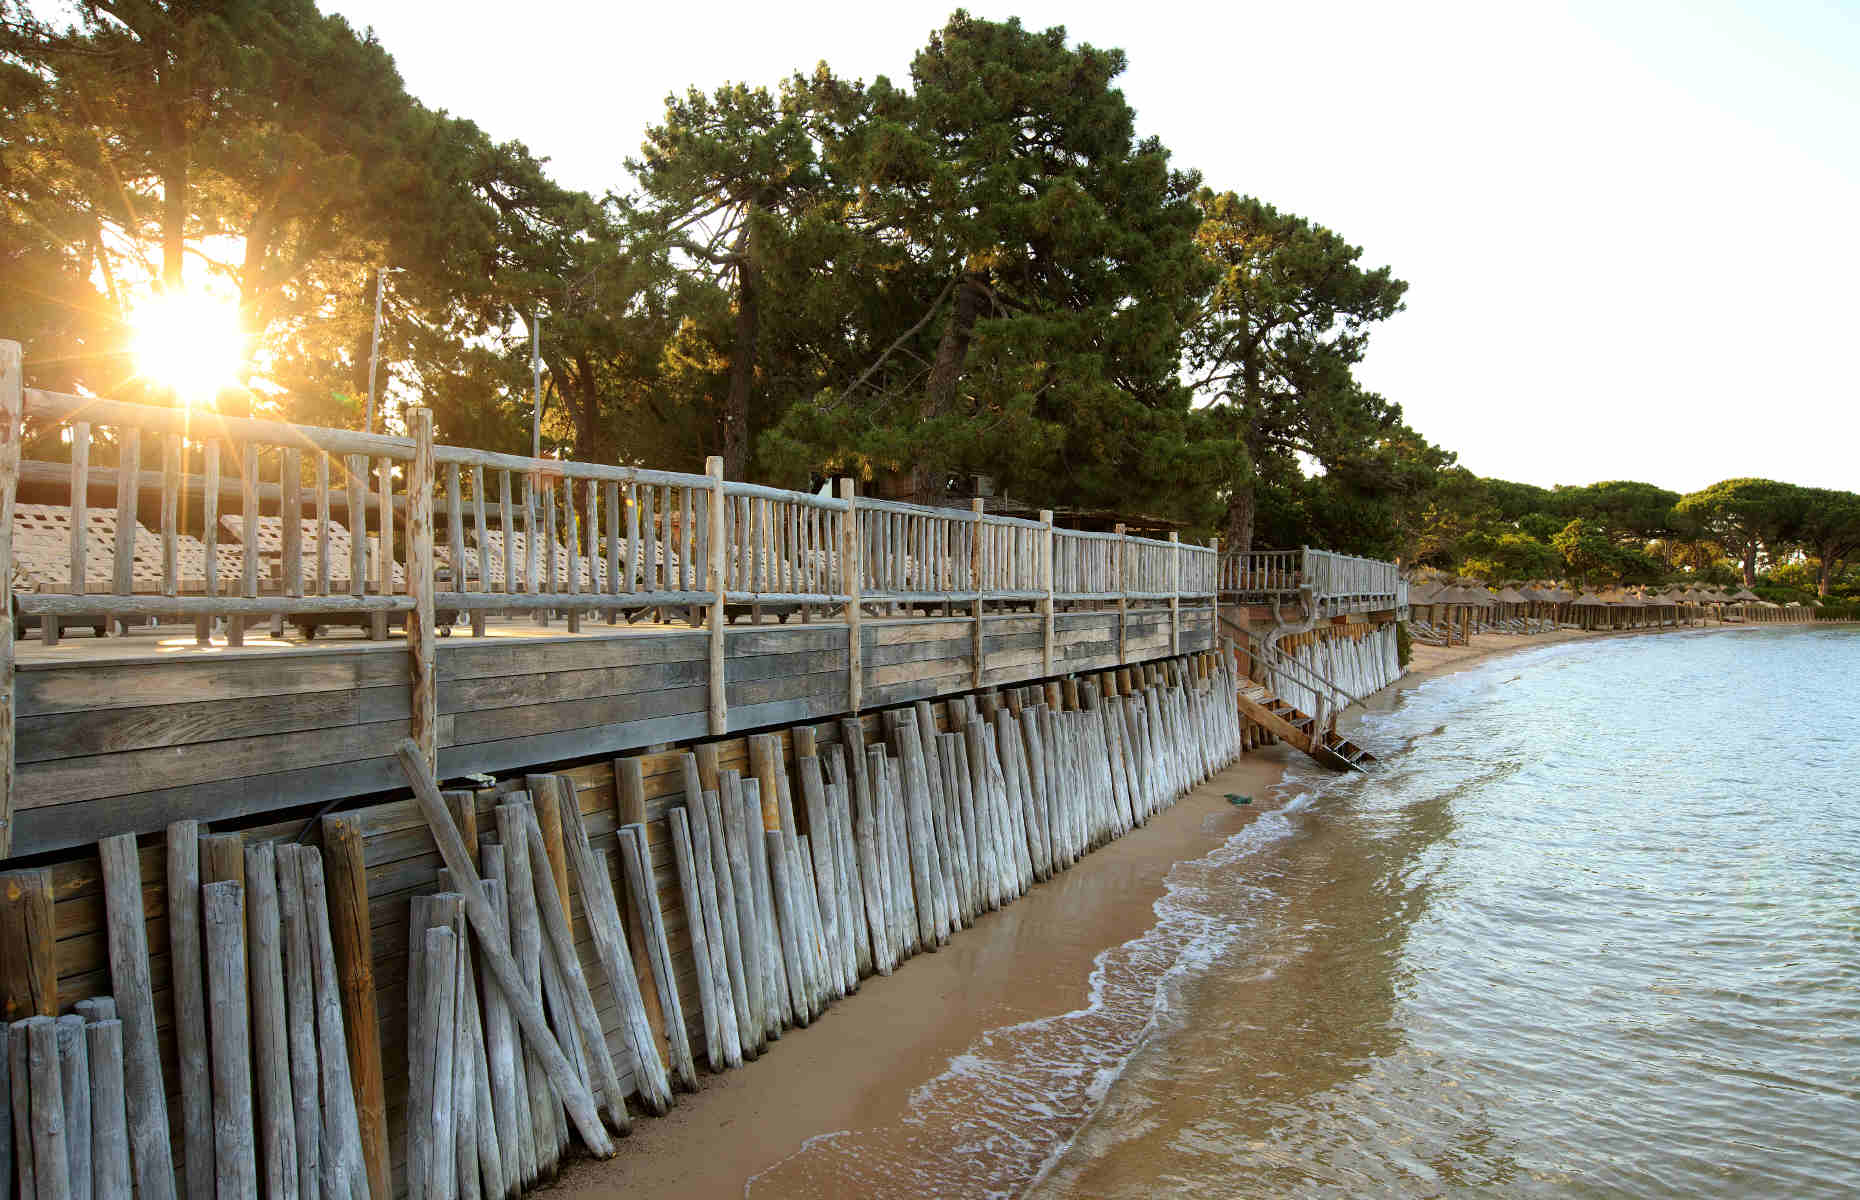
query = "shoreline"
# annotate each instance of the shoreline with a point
(857, 1067)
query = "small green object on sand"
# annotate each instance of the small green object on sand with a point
(1237, 798)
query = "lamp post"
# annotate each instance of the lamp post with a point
(374, 348)
(536, 384)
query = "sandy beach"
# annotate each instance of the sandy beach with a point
(856, 1067)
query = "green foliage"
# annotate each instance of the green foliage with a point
(1745, 515)
(982, 269)
(1287, 321)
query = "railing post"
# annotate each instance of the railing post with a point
(421, 636)
(1123, 592)
(12, 404)
(716, 573)
(975, 585)
(1214, 637)
(1175, 593)
(852, 566)
(1046, 586)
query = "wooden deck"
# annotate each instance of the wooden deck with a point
(127, 734)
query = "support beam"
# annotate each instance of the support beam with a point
(1046, 589)
(421, 649)
(852, 566)
(12, 400)
(716, 572)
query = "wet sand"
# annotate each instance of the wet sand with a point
(856, 1067)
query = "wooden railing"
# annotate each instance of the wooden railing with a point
(1335, 583)
(1344, 577)
(1261, 572)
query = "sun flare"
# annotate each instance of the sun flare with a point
(189, 342)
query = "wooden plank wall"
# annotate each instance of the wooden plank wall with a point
(402, 861)
(109, 747)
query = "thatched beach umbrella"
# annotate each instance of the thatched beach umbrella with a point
(1590, 606)
(1628, 610)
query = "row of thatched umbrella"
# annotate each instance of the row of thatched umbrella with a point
(1594, 610)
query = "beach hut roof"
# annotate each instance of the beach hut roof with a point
(1511, 596)
(1590, 600)
(1744, 594)
(1630, 600)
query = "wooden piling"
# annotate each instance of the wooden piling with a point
(300, 1020)
(74, 1082)
(103, 1043)
(135, 1001)
(352, 944)
(276, 1115)
(190, 1011)
(223, 918)
(51, 1158)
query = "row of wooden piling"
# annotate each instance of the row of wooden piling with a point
(266, 1102)
(63, 1132)
(893, 848)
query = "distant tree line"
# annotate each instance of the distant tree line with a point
(982, 270)
(1750, 531)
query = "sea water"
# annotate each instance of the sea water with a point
(1592, 928)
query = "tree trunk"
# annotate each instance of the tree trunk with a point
(952, 352)
(1241, 508)
(1750, 564)
(743, 357)
(585, 406)
(174, 163)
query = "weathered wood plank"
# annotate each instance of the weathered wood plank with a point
(118, 730)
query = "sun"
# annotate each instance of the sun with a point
(190, 343)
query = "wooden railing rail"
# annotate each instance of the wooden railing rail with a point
(228, 571)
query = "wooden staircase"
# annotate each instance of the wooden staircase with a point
(1300, 729)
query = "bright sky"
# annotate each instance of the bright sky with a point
(1631, 231)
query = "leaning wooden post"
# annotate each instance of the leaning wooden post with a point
(976, 655)
(1046, 589)
(852, 571)
(716, 573)
(1123, 593)
(1175, 592)
(524, 1004)
(352, 935)
(12, 405)
(421, 648)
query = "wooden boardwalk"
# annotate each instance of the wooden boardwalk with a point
(528, 564)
